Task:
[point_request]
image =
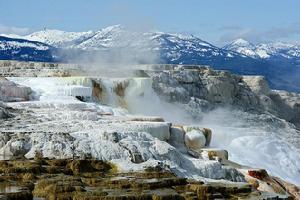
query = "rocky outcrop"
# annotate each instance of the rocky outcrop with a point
(10, 68)
(95, 179)
(9, 91)
(207, 87)
(195, 140)
(4, 113)
(258, 84)
(285, 105)
(200, 88)
(292, 189)
(205, 131)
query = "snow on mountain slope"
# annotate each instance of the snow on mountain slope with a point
(177, 48)
(281, 49)
(143, 47)
(16, 44)
(109, 37)
(117, 36)
(105, 38)
(20, 49)
(172, 46)
(244, 47)
(116, 44)
(265, 50)
(59, 38)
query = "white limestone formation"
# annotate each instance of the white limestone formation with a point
(283, 104)
(4, 113)
(9, 91)
(107, 118)
(258, 84)
(195, 140)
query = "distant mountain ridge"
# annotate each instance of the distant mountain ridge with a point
(268, 51)
(279, 62)
(25, 50)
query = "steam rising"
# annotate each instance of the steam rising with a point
(257, 141)
(254, 140)
(120, 50)
(142, 99)
(261, 141)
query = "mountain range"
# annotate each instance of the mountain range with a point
(278, 62)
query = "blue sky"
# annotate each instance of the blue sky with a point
(217, 21)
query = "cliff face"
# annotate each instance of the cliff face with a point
(4, 111)
(214, 88)
(207, 89)
(10, 68)
(285, 105)
(9, 91)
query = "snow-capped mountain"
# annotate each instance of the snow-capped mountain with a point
(276, 61)
(172, 48)
(183, 49)
(59, 38)
(105, 38)
(117, 36)
(89, 40)
(20, 49)
(274, 50)
(244, 47)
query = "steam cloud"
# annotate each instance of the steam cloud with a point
(251, 139)
(121, 50)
